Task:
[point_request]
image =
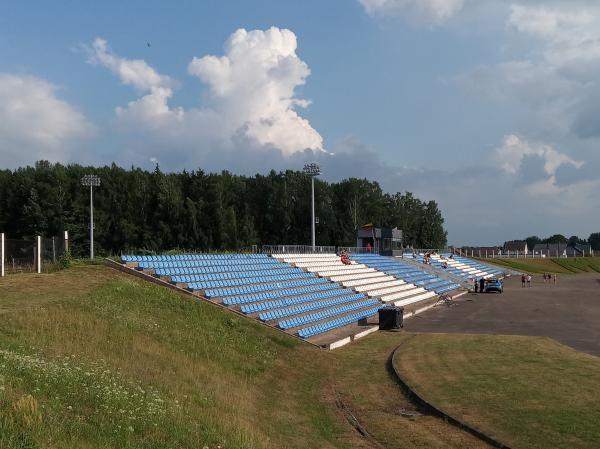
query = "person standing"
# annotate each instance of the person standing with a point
(528, 281)
(481, 285)
(554, 278)
(476, 285)
(523, 280)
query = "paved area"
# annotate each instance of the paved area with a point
(568, 311)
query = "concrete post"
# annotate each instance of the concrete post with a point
(66, 241)
(38, 255)
(2, 254)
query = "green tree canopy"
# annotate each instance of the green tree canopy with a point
(137, 210)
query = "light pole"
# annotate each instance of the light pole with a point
(312, 170)
(91, 181)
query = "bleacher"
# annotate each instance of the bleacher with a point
(293, 298)
(375, 276)
(466, 267)
(410, 285)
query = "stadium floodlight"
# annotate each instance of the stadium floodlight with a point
(91, 181)
(312, 170)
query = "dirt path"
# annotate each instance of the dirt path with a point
(568, 311)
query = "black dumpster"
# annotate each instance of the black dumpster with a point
(391, 317)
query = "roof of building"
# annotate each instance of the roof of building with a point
(515, 245)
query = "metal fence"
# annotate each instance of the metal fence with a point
(522, 255)
(297, 249)
(359, 249)
(31, 254)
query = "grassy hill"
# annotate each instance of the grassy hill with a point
(93, 358)
(528, 392)
(571, 265)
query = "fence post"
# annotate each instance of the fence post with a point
(39, 254)
(2, 254)
(66, 241)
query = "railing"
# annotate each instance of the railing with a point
(522, 255)
(359, 249)
(297, 249)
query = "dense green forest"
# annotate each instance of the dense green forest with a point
(141, 210)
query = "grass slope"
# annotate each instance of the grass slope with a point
(93, 358)
(571, 265)
(528, 392)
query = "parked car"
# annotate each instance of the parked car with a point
(493, 285)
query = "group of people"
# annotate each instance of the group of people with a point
(525, 280)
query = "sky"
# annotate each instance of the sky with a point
(489, 107)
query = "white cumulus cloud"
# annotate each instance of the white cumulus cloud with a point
(513, 153)
(35, 124)
(251, 102)
(431, 11)
(132, 72)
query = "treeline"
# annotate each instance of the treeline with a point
(137, 210)
(593, 240)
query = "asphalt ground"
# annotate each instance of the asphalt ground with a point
(568, 311)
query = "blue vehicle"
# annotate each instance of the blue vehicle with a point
(493, 285)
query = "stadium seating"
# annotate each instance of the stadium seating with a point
(291, 296)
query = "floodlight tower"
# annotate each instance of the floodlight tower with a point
(91, 181)
(313, 170)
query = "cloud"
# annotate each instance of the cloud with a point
(251, 105)
(131, 72)
(35, 124)
(428, 11)
(513, 149)
(557, 81)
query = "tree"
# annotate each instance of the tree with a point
(594, 240)
(574, 240)
(556, 238)
(139, 210)
(532, 241)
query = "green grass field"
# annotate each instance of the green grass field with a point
(94, 358)
(571, 265)
(527, 392)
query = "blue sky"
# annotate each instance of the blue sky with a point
(488, 107)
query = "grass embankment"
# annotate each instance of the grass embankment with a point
(572, 265)
(527, 392)
(93, 358)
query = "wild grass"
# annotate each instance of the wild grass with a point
(571, 265)
(528, 392)
(93, 358)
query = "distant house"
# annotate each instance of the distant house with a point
(555, 250)
(515, 246)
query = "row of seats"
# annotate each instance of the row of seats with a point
(313, 317)
(293, 300)
(243, 281)
(133, 259)
(228, 275)
(309, 306)
(251, 264)
(279, 293)
(338, 322)
(255, 288)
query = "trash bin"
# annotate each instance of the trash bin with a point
(391, 317)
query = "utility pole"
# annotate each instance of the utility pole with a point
(91, 181)
(312, 170)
